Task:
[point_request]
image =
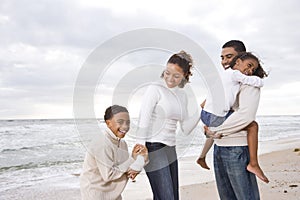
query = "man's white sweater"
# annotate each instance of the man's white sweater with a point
(245, 107)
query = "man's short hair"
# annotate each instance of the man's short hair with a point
(236, 44)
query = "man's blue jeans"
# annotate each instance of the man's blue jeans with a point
(234, 182)
(162, 171)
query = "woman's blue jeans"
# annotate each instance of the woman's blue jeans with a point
(162, 171)
(234, 182)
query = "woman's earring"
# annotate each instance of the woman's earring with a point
(182, 83)
(162, 74)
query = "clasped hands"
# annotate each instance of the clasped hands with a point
(138, 149)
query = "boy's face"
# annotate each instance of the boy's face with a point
(227, 55)
(119, 124)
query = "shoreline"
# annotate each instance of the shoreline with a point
(277, 158)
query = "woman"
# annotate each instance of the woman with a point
(165, 104)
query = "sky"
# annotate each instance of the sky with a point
(44, 45)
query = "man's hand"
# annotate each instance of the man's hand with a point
(212, 134)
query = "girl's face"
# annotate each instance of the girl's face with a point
(247, 66)
(173, 75)
(119, 124)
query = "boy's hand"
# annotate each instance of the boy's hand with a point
(132, 174)
(135, 151)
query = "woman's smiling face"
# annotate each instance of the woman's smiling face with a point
(173, 75)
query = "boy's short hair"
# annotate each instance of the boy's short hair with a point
(112, 110)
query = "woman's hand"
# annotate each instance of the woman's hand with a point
(140, 149)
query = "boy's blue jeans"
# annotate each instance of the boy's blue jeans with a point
(234, 182)
(162, 171)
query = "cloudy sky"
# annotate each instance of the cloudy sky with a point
(45, 43)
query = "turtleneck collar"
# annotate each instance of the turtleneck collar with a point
(163, 82)
(112, 136)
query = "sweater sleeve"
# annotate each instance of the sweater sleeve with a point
(138, 163)
(150, 99)
(188, 123)
(248, 100)
(109, 170)
(255, 81)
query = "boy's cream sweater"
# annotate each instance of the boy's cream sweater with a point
(104, 169)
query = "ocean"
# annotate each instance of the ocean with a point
(34, 152)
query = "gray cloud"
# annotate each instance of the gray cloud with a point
(45, 43)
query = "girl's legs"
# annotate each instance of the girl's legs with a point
(211, 120)
(207, 145)
(252, 137)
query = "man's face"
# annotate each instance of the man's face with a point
(227, 54)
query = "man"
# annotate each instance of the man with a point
(231, 155)
(229, 50)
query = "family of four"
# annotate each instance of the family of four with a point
(233, 130)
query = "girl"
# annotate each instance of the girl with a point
(104, 175)
(165, 104)
(239, 72)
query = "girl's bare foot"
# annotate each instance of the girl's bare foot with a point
(255, 169)
(202, 163)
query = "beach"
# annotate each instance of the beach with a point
(281, 164)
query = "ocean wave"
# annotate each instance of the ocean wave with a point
(39, 147)
(32, 165)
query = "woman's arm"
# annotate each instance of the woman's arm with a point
(188, 123)
(150, 99)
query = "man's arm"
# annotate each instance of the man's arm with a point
(248, 99)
